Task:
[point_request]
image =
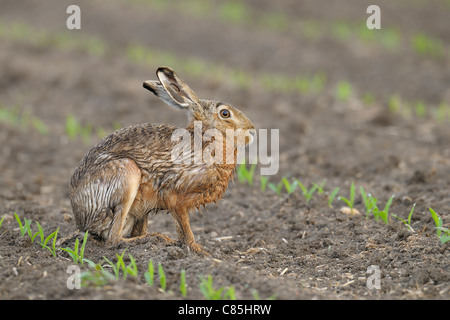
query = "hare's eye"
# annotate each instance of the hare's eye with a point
(224, 113)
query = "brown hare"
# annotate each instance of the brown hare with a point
(132, 173)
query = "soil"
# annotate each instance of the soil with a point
(279, 245)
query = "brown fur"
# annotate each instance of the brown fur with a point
(130, 174)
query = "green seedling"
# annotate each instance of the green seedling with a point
(118, 266)
(343, 91)
(234, 11)
(76, 254)
(408, 221)
(427, 45)
(96, 277)
(246, 175)
(332, 195)
(437, 221)
(367, 199)
(276, 188)
(1, 221)
(23, 227)
(162, 277)
(383, 214)
(351, 201)
(183, 286)
(445, 237)
(74, 129)
(319, 187)
(290, 187)
(263, 183)
(308, 193)
(207, 288)
(131, 269)
(256, 296)
(53, 236)
(150, 274)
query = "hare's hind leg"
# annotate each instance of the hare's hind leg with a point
(125, 182)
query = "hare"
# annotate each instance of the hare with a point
(131, 173)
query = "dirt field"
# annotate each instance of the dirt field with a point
(377, 114)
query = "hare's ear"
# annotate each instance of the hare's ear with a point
(180, 94)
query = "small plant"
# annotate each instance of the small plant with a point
(53, 236)
(384, 214)
(183, 286)
(332, 195)
(206, 287)
(162, 277)
(150, 274)
(23, 227)
(439, 228)
(351, 201)
(1, 221)
(276, 188)
(76, 254)
(308, 193)
(426, 45)
(343, 91)
(263, 183)
(131, 269)
(290, 187)
(408, 221)
(96, 277)
(74, 129)
(367, 199)
(246, 175)
(256, 296)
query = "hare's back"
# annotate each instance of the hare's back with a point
(140, 143)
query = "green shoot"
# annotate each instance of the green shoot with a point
(53, 236)
(276, 188)
(446, 236)
(162, 277)
(131, 269)
(256, 296)
(369, 201)
(289, 187)
(332, 195)
(1, 221)
(385, 213)
(183, 286)
(308, 193)
(119, 265)
(371, 207)
(343, 91)
(350, 202)
(23, 227)
(246, 175)
(407, 222)
(206, 287)
(98, 277)
(263, 180)
(319, 187)
(437, 221)
(77, 255)
(150, 274)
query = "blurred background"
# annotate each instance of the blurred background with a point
(308, 68)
